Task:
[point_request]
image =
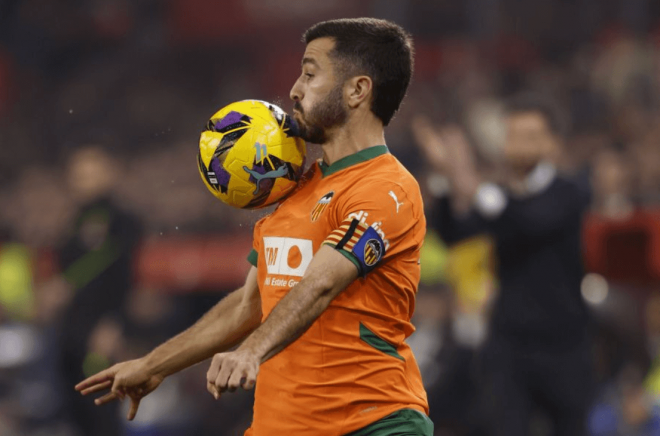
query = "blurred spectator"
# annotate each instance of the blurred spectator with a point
(96, 263)
(538, 350)
(611, 181)
(38, 207)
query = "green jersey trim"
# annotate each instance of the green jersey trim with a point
(378, 343)
(253, 257)
(348, 255)
(404, 421)
(354, 159)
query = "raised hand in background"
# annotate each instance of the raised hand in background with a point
(448, 152)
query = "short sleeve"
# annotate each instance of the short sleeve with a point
(253, 257)
(378, 221)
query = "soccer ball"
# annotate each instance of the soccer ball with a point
(248, 156)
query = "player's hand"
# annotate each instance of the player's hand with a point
(228, 371)
(131, 378)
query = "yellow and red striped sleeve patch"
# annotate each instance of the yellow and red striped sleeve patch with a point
(352, 234)
(360, 243)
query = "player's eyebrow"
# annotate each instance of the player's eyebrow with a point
(309, 61)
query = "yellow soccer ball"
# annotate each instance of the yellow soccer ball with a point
(248, 156)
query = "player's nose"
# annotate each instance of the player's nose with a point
(296, 93)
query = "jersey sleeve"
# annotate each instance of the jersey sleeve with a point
(377, 222)
(253, 257)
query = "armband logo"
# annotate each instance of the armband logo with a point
(368, 247)
(373, 251)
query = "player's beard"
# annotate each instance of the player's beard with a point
(328, 113)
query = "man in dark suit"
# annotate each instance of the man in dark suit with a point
(538, 353)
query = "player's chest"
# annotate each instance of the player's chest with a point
(293, 233)
(310, 213)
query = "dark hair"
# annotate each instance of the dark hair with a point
(377, 48)
(532, 102)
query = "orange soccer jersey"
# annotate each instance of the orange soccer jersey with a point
(352, 367)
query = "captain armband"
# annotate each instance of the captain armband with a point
(360, 243)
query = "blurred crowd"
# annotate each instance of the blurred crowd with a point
(101, 105)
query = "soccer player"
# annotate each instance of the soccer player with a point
(325, 311)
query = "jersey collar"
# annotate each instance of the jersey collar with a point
(353, 159)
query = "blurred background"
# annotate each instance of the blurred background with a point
(109, 242)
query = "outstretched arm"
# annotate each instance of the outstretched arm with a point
(327, 275)
(222, 327)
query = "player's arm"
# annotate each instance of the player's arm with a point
(326, 276)
(222, 327)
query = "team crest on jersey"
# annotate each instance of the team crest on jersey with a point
(373, 250)
(321, 205)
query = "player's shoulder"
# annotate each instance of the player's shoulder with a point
(385, 184)
(260, 222)
(388, 173)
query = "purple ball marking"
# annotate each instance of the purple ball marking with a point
(220, 173)
(232, 117)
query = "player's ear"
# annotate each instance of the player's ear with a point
(358, 90)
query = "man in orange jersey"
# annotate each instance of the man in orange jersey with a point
(325, 311)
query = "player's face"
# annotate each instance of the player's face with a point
(529, 140)
(318, 94)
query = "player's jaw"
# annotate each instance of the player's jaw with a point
(307, 129)
(315, 124)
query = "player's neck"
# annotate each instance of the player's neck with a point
(357, 134)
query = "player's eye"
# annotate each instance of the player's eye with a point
(309, 75)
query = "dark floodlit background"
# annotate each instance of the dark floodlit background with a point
(110, 243)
